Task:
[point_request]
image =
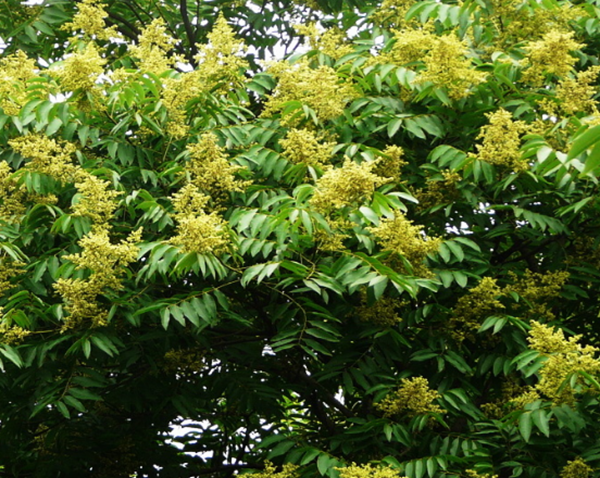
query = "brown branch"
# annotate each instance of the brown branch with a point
(133, 30)
(189, 32)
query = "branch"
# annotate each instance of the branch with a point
(324, 394)
(133, 29)
(188, 30)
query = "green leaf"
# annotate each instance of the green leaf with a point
(11, 354)
(83, 394)
(323, 463)
(525, 425)
(541, 421)
(584, 141)
(592, 161)
(62, 408)
(456, 250)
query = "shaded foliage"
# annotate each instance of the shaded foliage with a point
(379, 252)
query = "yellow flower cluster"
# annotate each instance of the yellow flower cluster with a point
(384, 312)
(331, 41)
(319, 88)
(530, 395)
(12, 196)
(197, 231)
(392, 12)
(96, 201)
(401, 237)
(332, 240)
(502, 141)
(47, 156)
(8, 270)
(12, 335)
(210, 170)
(474, 474)
(345, 186)
(446, 65)
(564, 358)
(288, 471)
(413, 397)
(514, 396)
(410, 45)
(480, 302)
(221, 60)
(550, 56)
(15, 71)
(547, 341)
(89, 20)
(189, 200)
(438, 191)
(154, 44)
(576, 468)
(219, 63)
(367, 471)
(536, 288)
(184, 361)
(516, 21)
(176, 92)
(575, 94)
(107, 264)
(302, 146)
(390, 163)
(81, 69)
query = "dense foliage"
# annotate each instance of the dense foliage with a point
(377, 257)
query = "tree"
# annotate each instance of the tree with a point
(373, 258)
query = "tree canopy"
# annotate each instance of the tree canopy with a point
(351, 239)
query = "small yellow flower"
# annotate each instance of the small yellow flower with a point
(89, 20)
(384, 312)
(80, 70)
(475, 474)
(197, 231)
(402, 238)
(154, 44)
(576, 468)
(319, 88)
(96, 202)
(288, 471)
(12, 195)
(447, 65)
(8, 270)
(48, 156)
(107, 264)
(575, 94)
(210, 170)
(331, 41)
(472, 308)
(13, 335)
(502, 141)
(367, 471)
(392, 13)
(564, 357)
(414, 397)
(15, 71)
(410, 45)
(346, 186)
(302, 146)
(390, 163)
(550, 56)
(222, 59)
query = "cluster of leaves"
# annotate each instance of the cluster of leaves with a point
(366, 253)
